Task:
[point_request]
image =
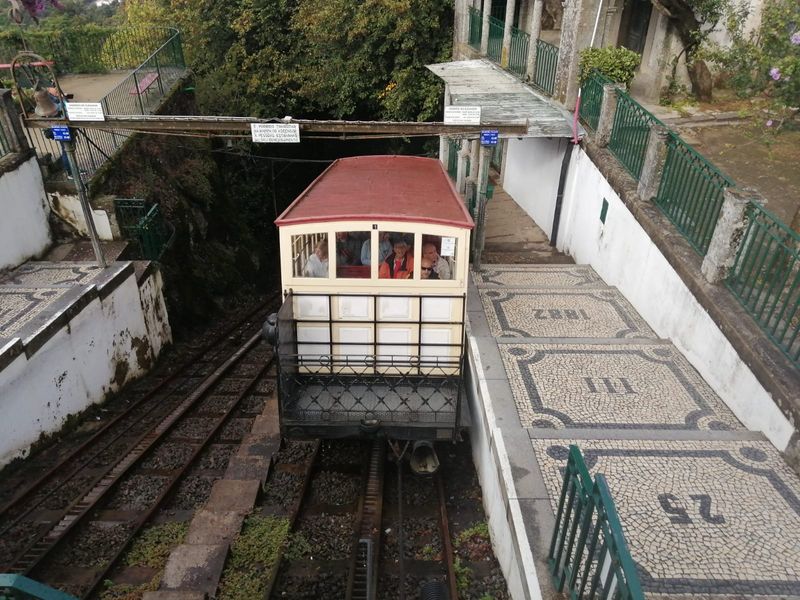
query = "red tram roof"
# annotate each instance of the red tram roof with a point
(380, 188)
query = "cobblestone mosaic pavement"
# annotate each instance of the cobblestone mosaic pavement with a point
(19, 305)
(633, 386)
(546, 276)
(35, 274)
(562, 314)
(706, 518)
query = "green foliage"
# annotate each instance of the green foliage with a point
(479, 530)
(298, 547)
(252, 554)
(618, 64)
(766, 60)
(463, 577)
(152, 547)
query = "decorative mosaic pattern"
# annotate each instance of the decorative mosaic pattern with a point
(720, 519)
(641, 386)
(37, 274)
(562, 314)
(19, 305)
(545, 276)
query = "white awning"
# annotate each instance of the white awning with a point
(503, 98)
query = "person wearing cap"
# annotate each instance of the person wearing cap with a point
(399, 264)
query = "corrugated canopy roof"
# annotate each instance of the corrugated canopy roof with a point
(380, 188)
(503, 98)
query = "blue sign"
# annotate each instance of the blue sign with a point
(489, 137)
(61, 133)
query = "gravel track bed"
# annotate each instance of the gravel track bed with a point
(112, 454)
(168, 456)
(67, 493)
(283, 489)
(265, 386)
(389, 586)
(235, 429)
(193, 428)
(246, 370)
(324, 586)
(192, 492)
(330, 536)
(217, 456)
(231, 386)
(417, 491)
(346, 452)
(295, 452)
(93, 545)
(253, 405)
(217, 404)
(14, 541)
(421, 540)
(137, 492)
(334, 488)
(492, 585)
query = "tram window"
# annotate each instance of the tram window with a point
(399, 263)
(349, 249)
(438, 253)
(310, 255)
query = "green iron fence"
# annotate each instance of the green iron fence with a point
(518, 56)
(690, 192)
(129, 212)
(495, 50)
(592, 99)
(452, 157)
(588, 554)
(497, 156)
(475, 27)
(19, 587)
(544, 77)
(631, 133)
(154, 234)
(766, 278)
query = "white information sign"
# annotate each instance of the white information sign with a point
(85, 111)
(275, 133)
(448, 246)
(462, 115)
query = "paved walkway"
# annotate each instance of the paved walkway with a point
(709, 509)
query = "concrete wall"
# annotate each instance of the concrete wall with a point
(111, 341)
(68, 208)
(530, 175)
(24, 230)
(624, 256)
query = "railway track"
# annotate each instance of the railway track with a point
(65, 501)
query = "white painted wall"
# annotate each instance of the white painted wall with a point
(76, 367)
(624, 256)
(24, 230)
(530, 175)
(154, 309)
(68, 208)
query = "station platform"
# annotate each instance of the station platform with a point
(556, 357)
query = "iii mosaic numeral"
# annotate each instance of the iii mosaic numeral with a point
(557, 313)
(609, 385)
(673, 506)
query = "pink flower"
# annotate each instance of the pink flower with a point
(795, 39)
(769, 123)
(775, 73)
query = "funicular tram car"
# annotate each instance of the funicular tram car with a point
(370, 336)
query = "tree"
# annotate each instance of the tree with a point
(694, 20)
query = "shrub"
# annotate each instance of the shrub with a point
(618, 64)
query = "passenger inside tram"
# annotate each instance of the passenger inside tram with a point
(317, 263)
(400, 263)
(441, 266)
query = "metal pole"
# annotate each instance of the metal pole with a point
(87, 209)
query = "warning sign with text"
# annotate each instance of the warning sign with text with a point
(275, 133)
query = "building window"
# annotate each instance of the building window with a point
(399, 263)
(349, 247)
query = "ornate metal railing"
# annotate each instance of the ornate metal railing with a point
(630, 133)
(453, 146)
(475, 27)
(518, 55)
(495, 49)
(588, 555)
(544, 77)
(405, 386)
(766, 278)
(690, 192)
(592, 98)
(154, 234)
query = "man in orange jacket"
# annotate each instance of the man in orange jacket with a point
(400, 264)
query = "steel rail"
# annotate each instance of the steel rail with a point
(447, 545)
(36, 551)
(175, 480)
(94, 438)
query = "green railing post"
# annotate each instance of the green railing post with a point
(546, 62)
(495, 49)
(475, 27)
(518, 56)
(592, 99)
(630, 133)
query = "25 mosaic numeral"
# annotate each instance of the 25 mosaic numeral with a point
(557, 313)
(672, 505)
